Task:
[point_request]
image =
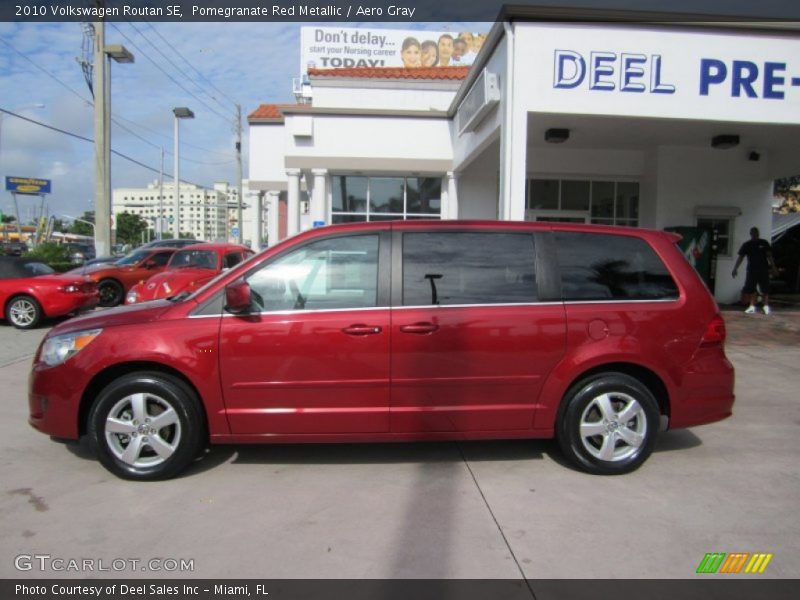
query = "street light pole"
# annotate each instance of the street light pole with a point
(180, 113)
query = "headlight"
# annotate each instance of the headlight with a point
(131, 297)
(59, 348)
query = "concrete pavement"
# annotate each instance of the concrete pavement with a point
(502, 509)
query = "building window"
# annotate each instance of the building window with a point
(601, 202)
(384, 198)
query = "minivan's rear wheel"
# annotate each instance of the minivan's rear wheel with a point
(146, 426)
(608, 424)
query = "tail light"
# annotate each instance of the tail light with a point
(715, 333)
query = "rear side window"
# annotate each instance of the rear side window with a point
(598, 266)
(468, 268)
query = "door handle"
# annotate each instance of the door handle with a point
(362, 330)
(419, 328)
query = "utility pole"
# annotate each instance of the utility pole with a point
(102, 174)
(239, 222)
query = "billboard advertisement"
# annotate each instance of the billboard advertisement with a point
(338, 47)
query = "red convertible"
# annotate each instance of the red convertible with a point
(188, 269)
(30, 291)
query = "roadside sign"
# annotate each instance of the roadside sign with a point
(234, 231)
(171, 220)
(28, 185)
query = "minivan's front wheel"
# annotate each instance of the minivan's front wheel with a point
(608, 424)
(146, 426)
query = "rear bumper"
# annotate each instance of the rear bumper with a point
(708, 395)
(64, 304)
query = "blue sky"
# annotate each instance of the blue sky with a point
(248, 63)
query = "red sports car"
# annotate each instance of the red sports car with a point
(30, 291)
(115, 279)
(188, 269)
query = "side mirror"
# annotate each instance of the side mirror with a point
(237, 297)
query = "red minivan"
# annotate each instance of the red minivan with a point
(405, 330)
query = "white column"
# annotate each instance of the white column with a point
(293, 203)
(452, 196)
(319, 212)
(513, 142)
(257, 209)
(273, 217)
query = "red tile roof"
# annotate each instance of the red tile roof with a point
(442, 73)
(273, 111)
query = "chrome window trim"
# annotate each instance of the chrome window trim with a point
(436, 307)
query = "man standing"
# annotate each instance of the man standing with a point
(759, 265)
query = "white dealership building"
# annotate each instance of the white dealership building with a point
(564, 115)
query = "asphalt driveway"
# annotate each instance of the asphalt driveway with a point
(502, 509)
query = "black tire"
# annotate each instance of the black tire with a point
(594, 405)
(139, 449)
(110, 291)
(24, 312)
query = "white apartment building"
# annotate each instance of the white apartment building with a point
(206, 214)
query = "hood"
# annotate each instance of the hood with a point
(176, 279)
(125, 314)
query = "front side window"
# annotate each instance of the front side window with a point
(332, 273)
(611, 267)
(449, 268)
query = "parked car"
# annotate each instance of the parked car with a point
(14, 248)
(115, 279)
(80, 253)
(188, 269)
(30, 291)
(398, 331)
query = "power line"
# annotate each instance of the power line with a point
(90, 103)
(46, 72)
(175, 50)
(168, 137)
(175, 81)
(91, 141)
(170, 61)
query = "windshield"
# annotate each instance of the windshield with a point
(198, 259)
(37, 268)
(220, 275)
(133, 257)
